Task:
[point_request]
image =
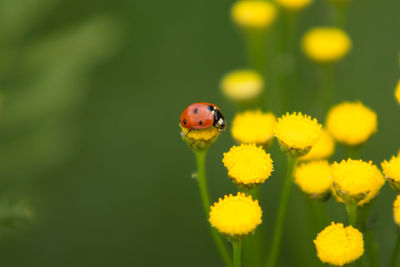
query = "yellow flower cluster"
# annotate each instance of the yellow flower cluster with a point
(199, 138)
(293, 5)
(356, 180)
(297, 133)
(323, 149)
(326, 44)
(236, 215)
(396, 210)
(314, 178)
(397, 92)
(391, 170)
(248, 164)
(338, 245)
(351, 123)
(242, 85)
(253, 126)
(253, 14)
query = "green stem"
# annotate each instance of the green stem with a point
(256, 51)
(237, 253)
(328, 86)
(395, 257)
(205, 199)
(280, 219)
(351, 209)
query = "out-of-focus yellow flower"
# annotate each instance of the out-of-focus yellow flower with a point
(199, 138)
(326, 44)
(253, 126)
(397, 92)
(314, 178)
(242, 85)
(293, 5)
(391, 170)
(235, 216)
(297, 133)
(338, 245)
(351, 123)
(323, 149)
(396, 210)
(248, 165)
(253, 14)
(356, 181)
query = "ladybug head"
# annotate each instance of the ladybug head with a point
(219, 121)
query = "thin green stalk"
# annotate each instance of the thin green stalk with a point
(237, 253)
(351, 209)
(328, 73)
(205, 199)
(256, 50)
(280, 219)
(396, 253)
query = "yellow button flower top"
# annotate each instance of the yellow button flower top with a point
(351, 123)
(242, 85)
(338, 245)
(253, 14)
(356, 181)
(314, 178)
(397, 92)
(248, 165)
(236, 216)
(253, 126)
(297, 133)
(326, 44)
(199, 138)
(391, 170)
(323, 149)
(293, 5)
(396, 210)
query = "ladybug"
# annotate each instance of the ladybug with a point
(202, 115)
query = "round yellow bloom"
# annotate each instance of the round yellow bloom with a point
(236, 216)
(396, 210)
(314, 178)
(356, 181)
(297, 133)
(294, 5)
(326, 44)
(338, 245)
(253, 126)
(391, 170)
(397, 92)
(253, 14)
(199, 139)
(248, 164)
(351, 123)
(242, 85)
(323, 149)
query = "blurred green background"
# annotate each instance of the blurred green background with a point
(91, 92)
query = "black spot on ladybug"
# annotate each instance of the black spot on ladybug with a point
(195, 111)
(210, 108)
(184, 121)
(200, 122)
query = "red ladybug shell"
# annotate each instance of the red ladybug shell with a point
(198, 116)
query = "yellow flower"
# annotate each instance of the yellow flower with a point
(248, 165)
(396, 210)
(326, 44)
(356, 181)
(199, 139)
(314, 178)
(294, 5)
(297, 133)
(397, 92)
(338, 245)
(323, 149)
(236, 216)
(242, 85)
(351, 123)
(253, 14)
(253, 126)
(391, 170)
